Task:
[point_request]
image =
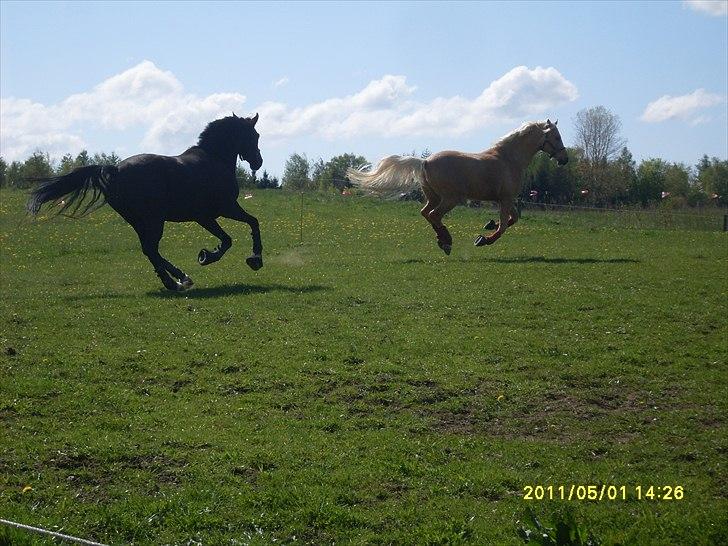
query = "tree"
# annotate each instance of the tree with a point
(67, 164)
(621, 175)
(597, 134)
(266, 181)
(677, 180)
(245, 178)
(3, 172)
(332, 174)
(103, 159)
(296, 173)
(713, 178)
(82, 159)
(650, 181)
(553, 183)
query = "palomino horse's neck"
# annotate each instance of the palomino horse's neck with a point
(521, 149)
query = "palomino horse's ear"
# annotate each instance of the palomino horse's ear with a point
(254, 119)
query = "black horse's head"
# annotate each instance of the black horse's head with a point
(248, 150)
(233, 136)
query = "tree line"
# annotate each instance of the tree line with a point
(20, 174)
(601, 172)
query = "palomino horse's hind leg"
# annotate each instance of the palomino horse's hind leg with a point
(512, 219)
(150, 233)
(444, 239)
(206, 257)
(236, 212)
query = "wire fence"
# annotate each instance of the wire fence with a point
(708, 219)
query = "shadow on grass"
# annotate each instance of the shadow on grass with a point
(203, 293)
(237, 289)
(532, 259)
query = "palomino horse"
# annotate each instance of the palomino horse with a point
(447, 178)
(198, 185)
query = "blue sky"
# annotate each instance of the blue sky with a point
(369, 78)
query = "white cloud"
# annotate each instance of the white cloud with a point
(716, 8)
(684, 107)
(142, 97)
(153, 100)
(280, 83)
(385, 107)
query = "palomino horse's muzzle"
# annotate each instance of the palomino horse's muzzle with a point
(559, 154)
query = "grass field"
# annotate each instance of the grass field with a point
(362, 387)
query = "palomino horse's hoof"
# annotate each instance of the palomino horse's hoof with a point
(254, 262)
(490, 225)
(446, 248)
(480, 240)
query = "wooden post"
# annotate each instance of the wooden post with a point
(301, 222)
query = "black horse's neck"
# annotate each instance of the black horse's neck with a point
(220, 139)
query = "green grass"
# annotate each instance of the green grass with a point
(362, 387)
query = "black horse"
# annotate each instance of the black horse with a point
(146, 190)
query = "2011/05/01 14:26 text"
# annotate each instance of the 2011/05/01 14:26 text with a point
(603, 492)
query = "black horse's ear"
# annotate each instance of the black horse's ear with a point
(548, 122)
(254, 120)
(236, 117)
(556, 122)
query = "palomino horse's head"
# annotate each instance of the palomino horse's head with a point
(248, 148)
(552, 143)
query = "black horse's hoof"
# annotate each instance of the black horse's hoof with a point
(186, 283)
(480, 241)
(490, 225)
(206, 257)
(254, 262)
(446, 248)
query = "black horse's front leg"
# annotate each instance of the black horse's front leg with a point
(255, 261)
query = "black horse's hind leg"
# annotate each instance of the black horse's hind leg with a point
(150, 233)
(206, 257)
(236, 212)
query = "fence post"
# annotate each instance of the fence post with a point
(300, 241)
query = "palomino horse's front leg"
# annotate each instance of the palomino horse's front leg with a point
(508, 217)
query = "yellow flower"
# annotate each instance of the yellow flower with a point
(27, 488)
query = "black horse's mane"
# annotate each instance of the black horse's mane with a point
(222, 134)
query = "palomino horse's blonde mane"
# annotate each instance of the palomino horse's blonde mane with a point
(516, 134)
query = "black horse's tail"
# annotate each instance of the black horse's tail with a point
(74, 194)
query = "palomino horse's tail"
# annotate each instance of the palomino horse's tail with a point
(70, 192)
(393, 174)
